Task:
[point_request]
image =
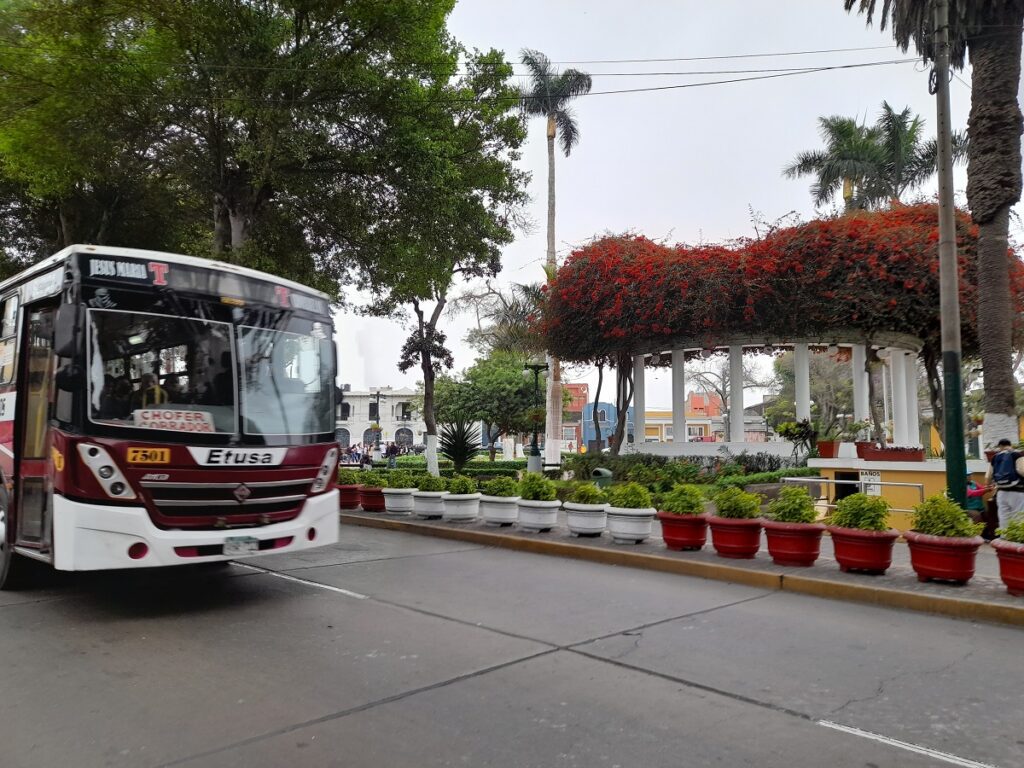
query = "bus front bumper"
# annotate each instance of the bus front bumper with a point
(91, 537)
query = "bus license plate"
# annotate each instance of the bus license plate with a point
(241, 545)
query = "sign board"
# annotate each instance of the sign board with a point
(870, 488)
(177, 421)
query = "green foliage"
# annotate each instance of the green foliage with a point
(501, 486)
(461, 485)
(348, 477)
(735, 503)
(429, 483)
(793, 505)
(1014, 530)
(856, 430)
(373, 479)
(940, 516)
(858, 510)
(587, 493)
(534, 487)
(802, 434)
(460, 441)
(629, 496)
(742, 481)
(400, 479)
(683, 500)
(662, 478)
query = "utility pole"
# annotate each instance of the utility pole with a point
(949, 295)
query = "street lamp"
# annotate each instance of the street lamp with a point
(377, 431)
(533, 461)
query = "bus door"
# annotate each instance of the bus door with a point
(33, 492)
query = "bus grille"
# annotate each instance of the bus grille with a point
(225, 504)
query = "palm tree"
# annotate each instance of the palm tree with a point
(548, 95)
(989, 32)
(873, 165)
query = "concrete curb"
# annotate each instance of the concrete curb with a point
(817, 586)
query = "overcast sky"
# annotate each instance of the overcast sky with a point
(685, 164)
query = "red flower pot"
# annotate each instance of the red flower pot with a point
(884, 454)
(348, 496)
(827, 449)
(795, 544)
(734, 538)
(944, 558)
(863, 551)
(1011, 565)
(371, 499)
(863, 445)
(683, 531)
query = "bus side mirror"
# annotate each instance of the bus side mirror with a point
(65, 329)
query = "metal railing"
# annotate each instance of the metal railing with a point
(862, 488)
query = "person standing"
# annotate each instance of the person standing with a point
(1006, 472)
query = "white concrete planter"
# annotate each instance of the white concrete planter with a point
(398, 501)
(586, 519)
(499, 510)
(538, 516)
(630, 526)
(461, 507)
(428, 504)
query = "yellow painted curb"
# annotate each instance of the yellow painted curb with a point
(871, 594)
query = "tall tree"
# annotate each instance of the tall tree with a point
(988, 33)
(872, 165)
(548, 96)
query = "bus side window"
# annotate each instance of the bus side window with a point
(8, 326)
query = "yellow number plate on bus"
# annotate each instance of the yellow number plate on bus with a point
(149, 455)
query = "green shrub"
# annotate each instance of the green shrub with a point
(534, 487)
(793, 505)
(481, 465)
(742, 481)
(432, 484)
(461, 485)
(683, 500)
(400, 478)
(587, 493)
(1014, 530)
(940, 516)
(737, 504)
(501, 486)
(460, 441)
(630, 496)
(372, 479)
(858, 510)
(348, 477)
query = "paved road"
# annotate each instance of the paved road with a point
(392, 650)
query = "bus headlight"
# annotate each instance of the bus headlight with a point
(323, 476)
(105, 471)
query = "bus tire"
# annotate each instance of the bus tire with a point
(13, 567)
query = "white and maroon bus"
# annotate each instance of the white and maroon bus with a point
(158, 409)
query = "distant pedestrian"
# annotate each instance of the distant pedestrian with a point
(1006, 472)
(392, 454)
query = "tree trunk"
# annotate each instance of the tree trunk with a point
(623, 398)
(597, 399)
(871, 363)
(993, 186)
(935, 391)
(427, 367)
(221, 228)
(553, 432)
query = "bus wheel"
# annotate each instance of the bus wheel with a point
(12, 566)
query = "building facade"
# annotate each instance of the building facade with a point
(360, 413)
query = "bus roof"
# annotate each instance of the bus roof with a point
(173, 258)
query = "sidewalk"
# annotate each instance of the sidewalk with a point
(984, 598)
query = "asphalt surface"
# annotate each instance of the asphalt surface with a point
(393, 650)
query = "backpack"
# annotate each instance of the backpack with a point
(1004, 469)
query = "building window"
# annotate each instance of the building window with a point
(403, 436)
(568, 434)
(342, 437)
(344, 411)
(374, 411)
(602, 416)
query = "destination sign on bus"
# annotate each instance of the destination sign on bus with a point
(178, 421)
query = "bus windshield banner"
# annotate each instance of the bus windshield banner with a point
(178, 421)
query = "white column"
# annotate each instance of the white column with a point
(898, 362)
(910, 381)
(860, 383)
(736, 430)
(678, 396)
(802, 373)
(639, 402)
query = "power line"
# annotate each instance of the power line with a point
(730, 56)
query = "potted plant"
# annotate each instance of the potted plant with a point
(462, 502)
(538, 503)
(683, 522)
(892, 453)
(861, 535)
(586, 510)
(428, 498)
(398, 494)
(857, 432)
(801, 434)
(631, 514)
(943, 541)
(794, 538)
(348, 489)
(371, 496)
(735, 526)
(1010, 551)
(828, 441)
(499, 502)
